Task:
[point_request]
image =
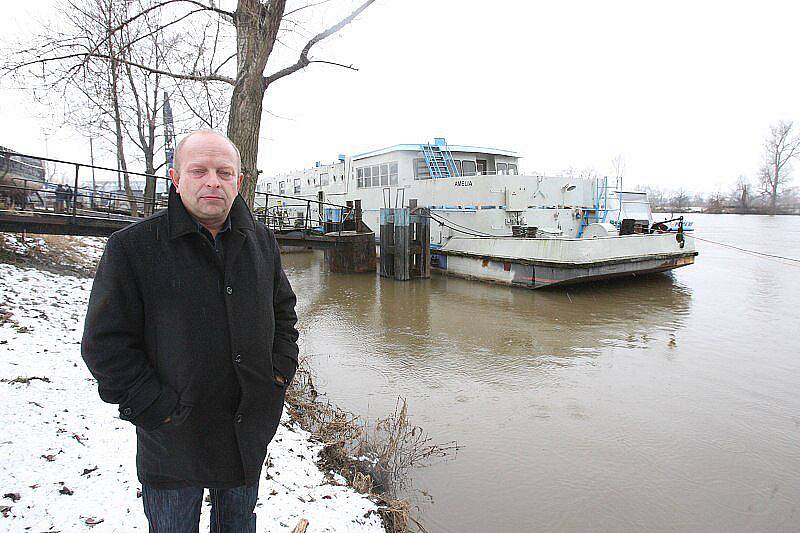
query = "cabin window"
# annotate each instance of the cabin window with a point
(381, 175)
(297, 185)
(458, 167)
(481, 164)
(502, 168)
(324, 179)
(282, 187)
(421, 170)
(512, 169)
(469, 168)
(269, 188)
(384, 175)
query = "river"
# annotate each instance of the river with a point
(670, 402)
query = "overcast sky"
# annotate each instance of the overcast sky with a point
(684, 90)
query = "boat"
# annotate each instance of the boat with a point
(489, 221)
(20, 177)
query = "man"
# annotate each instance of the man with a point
(68, 196)
(191, 330)
(59, 208)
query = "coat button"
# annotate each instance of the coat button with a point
(238, 358)
(127, 411)
(239, 418)
(229, 289)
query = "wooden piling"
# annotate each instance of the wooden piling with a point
(354, 252)
(405, 243)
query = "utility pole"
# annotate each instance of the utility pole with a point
(169, 134)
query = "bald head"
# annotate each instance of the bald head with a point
(177, 158)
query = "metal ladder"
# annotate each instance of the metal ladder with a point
(600, 205)
(601, 200)
(439, 161)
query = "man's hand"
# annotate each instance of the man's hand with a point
(167, 420)
(280, 379)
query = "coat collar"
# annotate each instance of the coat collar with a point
(182, 223)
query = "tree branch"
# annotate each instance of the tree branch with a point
(303, 60)
(351, 67)
(86, 55)
(160, 28)
(201, 5)
(293, 11)
(232, 56)
(112, 31)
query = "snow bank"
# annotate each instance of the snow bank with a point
(68, 461)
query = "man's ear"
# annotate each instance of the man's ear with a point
(175, 178)
(239, 183)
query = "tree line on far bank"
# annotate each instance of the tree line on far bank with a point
(768, 192)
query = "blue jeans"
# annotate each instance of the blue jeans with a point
(178, 510)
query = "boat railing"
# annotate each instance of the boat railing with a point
(282, 212)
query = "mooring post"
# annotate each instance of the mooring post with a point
(353, 253)
(387, 242)
(358, 216)
(422, 242)
(405, 243)
(402, 242)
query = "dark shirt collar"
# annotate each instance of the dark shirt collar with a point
(215, 240)
(226, 226)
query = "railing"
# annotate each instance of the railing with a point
(278, 211)
(293, 213)
(472, 174)
(74, 200)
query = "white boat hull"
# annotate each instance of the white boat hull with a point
(536, 263)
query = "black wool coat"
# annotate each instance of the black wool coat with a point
(172, 330)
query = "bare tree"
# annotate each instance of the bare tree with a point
(715, 202)
(679, 200)
(580, 173)
(741, 194)
(256, 26)
(781, 146)
(618, 166)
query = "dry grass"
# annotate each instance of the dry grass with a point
(62, 254)
(375, 459)
(395, 446)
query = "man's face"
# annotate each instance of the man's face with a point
(208, 178)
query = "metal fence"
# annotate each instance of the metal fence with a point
(86, 190)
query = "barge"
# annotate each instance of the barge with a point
(490, 222)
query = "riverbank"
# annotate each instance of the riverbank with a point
(70, 461)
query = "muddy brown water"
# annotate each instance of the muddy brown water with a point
(670, 402)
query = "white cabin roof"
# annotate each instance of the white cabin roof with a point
(451, 147)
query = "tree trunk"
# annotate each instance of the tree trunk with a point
(774, 192)
(257, 27)
(150, 183)
(244, 126)
(114, 73)
(120, 143)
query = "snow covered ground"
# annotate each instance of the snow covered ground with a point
(68, 461)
